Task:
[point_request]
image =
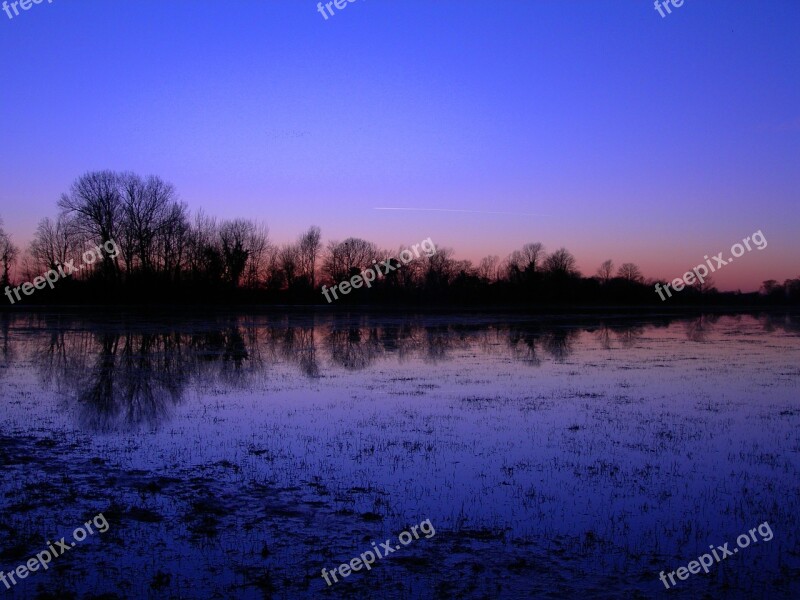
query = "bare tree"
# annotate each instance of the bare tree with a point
(54, 242)
(204, 252)
(148, 209)
(487, 268)
(8, 255)
(96, 203)
(561, 263)
(792, 288)
(704, 286)
(273, 275)
(172, 239)
(605, 270)
(532, 254)
(630, 272)
(289, 261)
(235, 237)
(308, 247)
(464, 271)
(256, 271)
(525, 263)
(348, 258)
(440, 268)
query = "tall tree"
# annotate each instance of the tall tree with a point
(289, 260)
(561, 263)
(8, 255)
(440, 269)
(235, 236)
(148, 209)
(256, 271)
(630, 272)
(524, 264)
(308, 247)
(54, 242)
(605, 270)
(172, 239)
(487, 268)
(704, 286)
(95, 200)
(347, 258)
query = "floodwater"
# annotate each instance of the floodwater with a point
(238, 456)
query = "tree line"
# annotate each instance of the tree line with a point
(167, 254)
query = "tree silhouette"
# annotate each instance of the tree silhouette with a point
(605, 270)
(308, 247)
(8, 255)
(233, 261)
(95, 200)
(630, 272)
(561, 263)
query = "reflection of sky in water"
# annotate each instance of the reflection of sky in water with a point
(643, 440)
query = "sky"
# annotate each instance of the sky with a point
(597, 125)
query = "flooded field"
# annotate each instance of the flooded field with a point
(239, 456)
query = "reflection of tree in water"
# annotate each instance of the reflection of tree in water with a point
(697, 329)
(62, 355)
(786, 322)
(603, 335)
(523, 345)
(134, 381)
(6, 347)
(354, 348)
(297, 345)
(407, 338)
(628, 335)
(439, 340)
(559, 343)
(123, 378)
(223, 355)
(357, 347)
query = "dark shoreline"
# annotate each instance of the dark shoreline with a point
(408, 310)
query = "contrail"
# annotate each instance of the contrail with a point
(485, 212)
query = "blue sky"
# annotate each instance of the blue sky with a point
(628, 135)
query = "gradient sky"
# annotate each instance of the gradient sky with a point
(620, 133)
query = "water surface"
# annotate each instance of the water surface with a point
(236, 456)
